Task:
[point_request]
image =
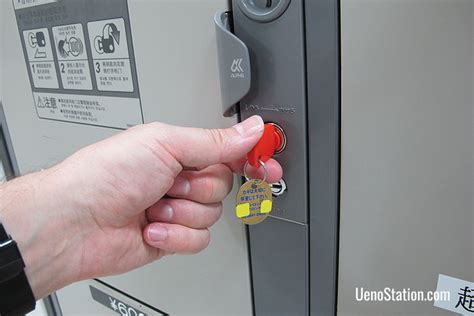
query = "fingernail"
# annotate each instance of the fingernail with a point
(157, 233)
(165, 213)
(180, 187)
(251, 126)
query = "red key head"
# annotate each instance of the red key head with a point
(266, 146)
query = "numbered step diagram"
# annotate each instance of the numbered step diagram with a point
(110, 53)
(40, 58)
(72, 57)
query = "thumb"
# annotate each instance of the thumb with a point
(197, 147)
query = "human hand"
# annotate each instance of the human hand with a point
(126, 201)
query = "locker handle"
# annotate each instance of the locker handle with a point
(234, 65)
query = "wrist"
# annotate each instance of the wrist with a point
(28, 214)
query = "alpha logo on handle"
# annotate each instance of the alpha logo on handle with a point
(237, 65)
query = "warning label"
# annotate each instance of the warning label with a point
(80, 61)
(72, 57)
(88, 109)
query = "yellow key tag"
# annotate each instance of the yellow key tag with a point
(253, 202)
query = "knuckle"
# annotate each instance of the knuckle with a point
(185, 243)
(154, 126)
(194, 219)
(217, 136)
(149, 214)
(220, 138)
(229, 180)
(155, 140)
(210, 190)
(219, 208)
(148, 128)
(202, 239)
(211, 216)
(206, 239)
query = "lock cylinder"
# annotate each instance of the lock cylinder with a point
(263, 10)
(280, 133)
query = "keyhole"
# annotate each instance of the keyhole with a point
(269, 3)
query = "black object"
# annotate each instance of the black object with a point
(40, 39)
(16, 296)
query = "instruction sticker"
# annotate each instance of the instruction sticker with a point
(81, 62)
(110, 55)
(40, 58)
(72, 57)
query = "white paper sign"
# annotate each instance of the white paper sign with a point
(461, 295)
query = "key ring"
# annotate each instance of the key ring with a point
(265, 174)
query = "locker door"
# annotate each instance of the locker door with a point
(172, 57)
